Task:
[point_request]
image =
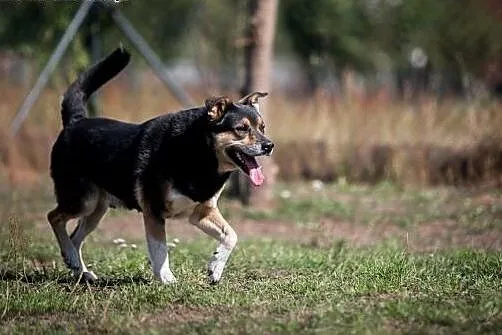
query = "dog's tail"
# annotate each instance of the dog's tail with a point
(75, 97)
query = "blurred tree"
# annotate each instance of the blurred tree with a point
(33, 28)
(164, 24)
(329, 33)
(258, 56)
(216, 42)
(458, 37)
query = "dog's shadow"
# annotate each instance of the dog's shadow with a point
(60, 278)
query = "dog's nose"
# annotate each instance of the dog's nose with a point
(267, 147)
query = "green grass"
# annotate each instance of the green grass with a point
(269, 286)
(303, 210)
(383, 203)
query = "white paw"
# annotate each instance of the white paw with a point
(217, 264)
(166, 276)
(215, 270)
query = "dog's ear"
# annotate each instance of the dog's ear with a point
(252, 98)
(216, 107)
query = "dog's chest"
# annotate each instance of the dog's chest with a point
(177, 204)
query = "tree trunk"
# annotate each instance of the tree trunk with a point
(258, 56)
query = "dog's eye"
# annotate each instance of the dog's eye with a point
(242, 127)
(262, 129)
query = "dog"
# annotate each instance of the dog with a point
(174, 165)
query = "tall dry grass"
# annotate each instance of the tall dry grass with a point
(361, 138)
(371, 139)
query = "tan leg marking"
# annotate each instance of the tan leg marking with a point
(208, 218)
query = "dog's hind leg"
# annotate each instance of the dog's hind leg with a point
(85, 226)
(71, 205)
(58, 219)
(208, 218)
(157, 248)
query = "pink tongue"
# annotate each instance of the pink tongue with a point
(256, 176)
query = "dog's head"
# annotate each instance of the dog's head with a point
(239, 134)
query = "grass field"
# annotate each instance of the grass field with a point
(330, 259)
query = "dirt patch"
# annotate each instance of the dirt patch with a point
(61, 322)
(429, 236)
(438, 234)
(129, 226)
(179, 313)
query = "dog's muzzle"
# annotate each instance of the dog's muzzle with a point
(267, 148)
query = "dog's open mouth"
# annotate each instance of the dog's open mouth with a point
(248, 165)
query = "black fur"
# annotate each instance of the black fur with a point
(173, 150)
(75, 98)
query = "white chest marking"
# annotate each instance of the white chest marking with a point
(177, 204)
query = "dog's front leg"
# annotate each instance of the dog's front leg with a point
(209, 219)
(157, 248)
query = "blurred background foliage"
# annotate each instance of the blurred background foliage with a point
(377, 89)
(364, 35)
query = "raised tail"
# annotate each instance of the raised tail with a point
(73, 107)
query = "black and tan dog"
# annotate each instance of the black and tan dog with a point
(170, 166)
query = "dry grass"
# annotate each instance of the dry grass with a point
(365, 139)
(341, 124)
(426, 142)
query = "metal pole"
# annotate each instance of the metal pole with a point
(94, 49)
(142, 46)
(32, 97)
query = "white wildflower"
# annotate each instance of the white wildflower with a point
(119, 241)
(317, 185)
(285, 194)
